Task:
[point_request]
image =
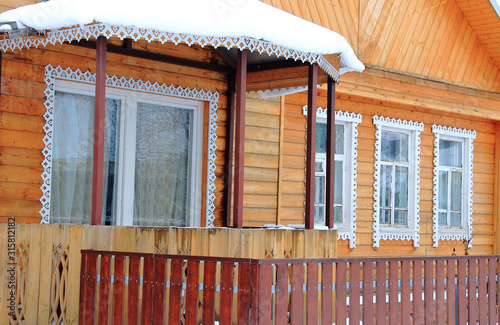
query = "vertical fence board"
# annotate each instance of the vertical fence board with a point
(418, 311)
(209, 292)
(451, 300)
(297, 293)
(492, 290)
(393, 292)
(159, 290)
(254, 293)
(368, 293)
(282, 294)
(312, 293)
(83, 288)
(341, 294)
(482, 301)
(429, 291)
(472, 290)
(118, 290)
(147, 290)
(104, 289)
(90, 292)
(74, 265)
(405, 292)
(354, 286)
(243, 303)
(461, 294)
(193, 269)
(133, 290)
(226, 293)
(175, 291)
(381, 292)
(498, 288)
(265, 302)
(326, 293)
(440, 305)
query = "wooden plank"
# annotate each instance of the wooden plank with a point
(429, 290)
(34, 283)
(159, 285)
(405, 292)
(393, 292)
(254, 294)
(471, 277)
(368, 293)
(228, 167)
(84, 282)
(440, 294)
(147, 290)
(418, 310)
(118, 290)
(226, 293)
(90, 292)
(312, 293)
(192, 291)
(175, 291)
(280, 159)
(326, 293)
(492, 290)
(297, 293)
(243, 303)
(354, 287)
(482, 299)
(265, 296)
(281, 303)
(461, 293)
(104, 286)
(341, 293)
(451, 300)
(133, 290)
(381, 292)
(209, 292)
(496, 191)
(311, 145)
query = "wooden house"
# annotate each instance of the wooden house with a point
(415, 143)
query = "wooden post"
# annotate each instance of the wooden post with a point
(239, 145)
(311, 144)
(496, 195)
(100, 102)
(228, 168)
(330, 154)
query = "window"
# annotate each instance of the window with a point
(452, 198)
(152, 157)
(345, 172)
(396, 187)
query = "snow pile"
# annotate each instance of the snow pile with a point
(220, 18)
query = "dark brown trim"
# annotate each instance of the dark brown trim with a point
(127, 43)
(239, 145)
(276, 65)
(100, 98)
(330, 154)
(311, 144)
(224, 56)
(228, 167)
(157, 57)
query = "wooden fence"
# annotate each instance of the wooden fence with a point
(46, 260)
(170, 289)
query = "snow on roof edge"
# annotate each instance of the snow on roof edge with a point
(244, 19)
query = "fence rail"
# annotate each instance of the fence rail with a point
(171, 289)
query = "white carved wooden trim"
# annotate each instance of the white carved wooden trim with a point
(347, 232)
(453, 234)
(95, 30)
(53, 73)
(398, 233)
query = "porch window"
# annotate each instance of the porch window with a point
(452, 183)
(345, 172)
(396, 187)
(152, 163)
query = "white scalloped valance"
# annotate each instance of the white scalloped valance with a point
(53, 73)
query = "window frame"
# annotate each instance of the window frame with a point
(398, 232)
(466, 137)
(347, 229)
(65, 80)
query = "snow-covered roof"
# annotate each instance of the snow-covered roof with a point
(242, 20)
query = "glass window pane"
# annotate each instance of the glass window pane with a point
(319, 214)
(339, 139)
(443, 218)
(456, 191)
(318, 166)
(394, 146)
(385, 216)
(443, 190)
(450, 153)
(319, 190)
(320, 137)
(111, 139)
(162, 173)
(338, 214)
(401, 188)
(400, 217)
(385, 185)
(455, 220)
(339, 190)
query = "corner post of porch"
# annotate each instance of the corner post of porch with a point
(330, 153)
(239, 143)
(311, 144)
(229, 154)
(100, 102)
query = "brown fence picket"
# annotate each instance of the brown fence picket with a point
(105, 280)
(265, 294)
(226, 293)
(159, 290)
(297, 293)
(243, 303)
(312, 293)
(482, 301)
(326, 293)
(193, 270)
(341, 294)
(451, 292)
(147, 290)
(472, 290)
(492, 290)
(393, 292)
(368, 292)
(440, 314)
(174, 315)
(133, 290)
(429, 291)
(354, 284)
(381, 292)
(118, 292)
(208, 315)
(418, 311)
(90, 292)
(461, 293)
(84, 274)
(405, 292)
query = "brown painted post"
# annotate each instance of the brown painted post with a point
(330, 154)
(311, 144)
(239, 145)
(228, 167)
(100, 103)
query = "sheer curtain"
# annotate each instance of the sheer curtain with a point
(162, 175)
(72, 156)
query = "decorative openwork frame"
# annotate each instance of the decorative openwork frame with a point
(348, 230)
(53, 73)
(453, 234)
(412, 231)
(95, 30)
